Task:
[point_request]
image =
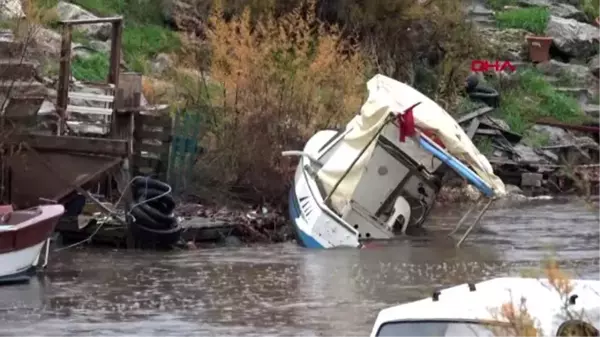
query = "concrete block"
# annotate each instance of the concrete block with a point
(531, 179)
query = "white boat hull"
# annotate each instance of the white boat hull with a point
(19, 261)
(316, 226)
(23, 234)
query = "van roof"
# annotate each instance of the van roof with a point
(543, 302)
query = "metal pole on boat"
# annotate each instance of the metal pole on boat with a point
(389, 118)
(466, 215)
(485, 208)
(47, 253)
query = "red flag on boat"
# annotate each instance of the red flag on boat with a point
(406, 126)
(406, 123)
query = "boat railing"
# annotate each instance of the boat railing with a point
(470, 176)
(308, 156)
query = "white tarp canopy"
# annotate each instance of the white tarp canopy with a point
(386, 96)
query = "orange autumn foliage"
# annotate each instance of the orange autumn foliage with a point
(279, 81)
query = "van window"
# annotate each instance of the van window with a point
(435, 328)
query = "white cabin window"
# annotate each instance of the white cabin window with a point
(435, 328)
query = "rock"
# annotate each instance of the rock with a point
(574, 38)
(550, 155)
(529, 179)
(6, 35)
(499, 123)
(576, 72)
(567, 11)
(47, 42)
(513, 190)
(91, 48)
(564, 9)
(592, 110)
(510, 42)
(167, 8)
(11, 9)
(594, 65)
(556, 136)
(534, 3)
(232, 241)
(575, 3)
(161, 63)
(527, 154)
(69, 11)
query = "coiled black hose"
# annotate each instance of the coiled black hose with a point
(151, 216)
(480, 93)
(487, 95)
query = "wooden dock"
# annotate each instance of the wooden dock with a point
(198, 230)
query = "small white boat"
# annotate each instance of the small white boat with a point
(495, 307)
(381, 174)
(23, 234)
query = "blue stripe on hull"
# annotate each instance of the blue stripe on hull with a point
(294, 210)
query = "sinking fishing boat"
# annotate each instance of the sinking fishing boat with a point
(380, 175)
(510, 306)
(23, 235)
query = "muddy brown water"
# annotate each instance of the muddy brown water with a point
(285, 290)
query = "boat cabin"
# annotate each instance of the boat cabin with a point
(396, 190)
(475, 310)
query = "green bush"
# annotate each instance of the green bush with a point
(144, 35)
(533, 19)
(92, 68)
(531, 97)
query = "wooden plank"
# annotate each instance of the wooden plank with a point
(147, 120)
(157, 135)
(489, 132)
(142, 161)
(476, 113)
(97, 85)
(91, 145)
(473, 127)
(86, 110)
(151, 148)
(161, 109)
(91, 97)
(92, 20)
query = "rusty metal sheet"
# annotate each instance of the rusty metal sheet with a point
(31, 178)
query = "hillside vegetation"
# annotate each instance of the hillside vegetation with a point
(274, 72)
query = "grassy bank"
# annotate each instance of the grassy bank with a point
(145, 35)
(530, 97)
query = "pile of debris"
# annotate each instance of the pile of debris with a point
(254, 224)
(566, 163)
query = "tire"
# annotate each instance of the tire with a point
(156, 238)
(159, 205)
(146, 220)
(155, 214)
(489, 96)
(150, 193)
(147, 182)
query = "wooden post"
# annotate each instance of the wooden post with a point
(115, 53)
(64, 77)
(127, 102)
